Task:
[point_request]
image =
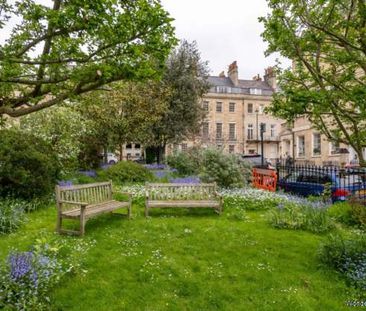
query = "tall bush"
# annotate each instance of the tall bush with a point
(224, 169)
(28, 166)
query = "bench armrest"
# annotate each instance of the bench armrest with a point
(73, 202)
(218, 195)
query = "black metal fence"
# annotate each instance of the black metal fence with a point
(342, 183)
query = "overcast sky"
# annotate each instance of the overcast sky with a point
(225, 31)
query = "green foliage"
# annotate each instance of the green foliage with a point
(347, 255)
(224, 169)
(186, 78)
(212, 165)
(62, 127)
(341, 212)
(293, 216)
(127, 171)
(85, 46)
(358, 212)
(326, 42)
(29, 168)
(186, 163)
(12, 215)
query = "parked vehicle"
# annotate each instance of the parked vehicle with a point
(111, 158)
(313, 182)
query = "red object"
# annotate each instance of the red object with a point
(341, 193)
(264, 179)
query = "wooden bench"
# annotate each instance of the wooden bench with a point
(86, 201)
(182, 195)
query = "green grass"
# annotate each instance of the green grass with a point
(191, 260)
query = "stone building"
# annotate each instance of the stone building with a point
(307, 146)
(235, 109)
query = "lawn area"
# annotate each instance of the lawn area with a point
(190, 260)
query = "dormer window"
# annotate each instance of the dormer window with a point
(256, 91)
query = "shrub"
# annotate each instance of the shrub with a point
(341, 212)
(358, 212)
(186, 163)
(28, 167)
(126, 171)
(308, 217)
(12, 215)
(347, 256)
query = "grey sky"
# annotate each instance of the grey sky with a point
(225, 31)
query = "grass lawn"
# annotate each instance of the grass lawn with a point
(191, 260)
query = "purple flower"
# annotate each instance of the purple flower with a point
(90, 173)
(65, 183)
(155, 166)
(160, 174)
(105, 166)
(186, 180)
(20, 264)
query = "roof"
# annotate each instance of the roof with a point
(244, 85)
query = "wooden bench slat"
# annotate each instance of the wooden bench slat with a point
(182, 195)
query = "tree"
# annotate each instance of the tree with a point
(186, 77)
(326, 39)
(62, 127)
(125, 113)
(56, 53)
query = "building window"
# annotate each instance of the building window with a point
(252, 151)
(250, 108)
(137, 146)
(205, 130)
(273, 130)
(232, 131)
(231, 107)
(256, 91)
(250, 131)
(218, 130)
(129, 156)
(219, 107)
(334, 147)
(317, 144)
(129, 146)
(137, 155)
(231, 148)
(184, 147)
(301, 146)
(205, 105)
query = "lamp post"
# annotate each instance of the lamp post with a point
(263, 129)
(256, 127)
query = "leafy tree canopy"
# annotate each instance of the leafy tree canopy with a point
(186, 78)
(326, 39)
(75, 46)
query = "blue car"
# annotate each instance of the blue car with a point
(312, 182)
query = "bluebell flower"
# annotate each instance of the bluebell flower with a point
(20, 264)
(185, 180)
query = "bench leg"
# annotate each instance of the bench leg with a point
(82, 224)
(59, 224)
(146, 210)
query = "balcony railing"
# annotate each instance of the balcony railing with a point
(265, 138)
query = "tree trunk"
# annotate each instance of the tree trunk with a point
(121, 152)
(105, 154)
(160, 153)
(361, 158)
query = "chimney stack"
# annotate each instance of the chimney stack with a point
(270, 77)
(222, 74)
(233, 73)
(257, 78)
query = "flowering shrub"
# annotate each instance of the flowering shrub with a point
(347, 256)
(65, 183)
(12, 215)
(27, 277)
(89, 173)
